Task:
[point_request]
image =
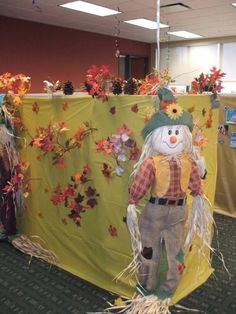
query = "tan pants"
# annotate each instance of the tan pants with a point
(159, 221)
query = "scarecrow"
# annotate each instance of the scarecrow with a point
(12, 195)
(8, 161)
(167, 168)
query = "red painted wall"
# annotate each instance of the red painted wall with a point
(44, 51)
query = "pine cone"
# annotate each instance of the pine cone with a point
(117, 87)
(88, 86)
(68, 88)
(131, 87)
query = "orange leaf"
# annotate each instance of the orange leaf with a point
(77, 176)
(65, 106)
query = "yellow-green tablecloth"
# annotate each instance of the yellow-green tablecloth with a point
(90, 251)
(225, 200)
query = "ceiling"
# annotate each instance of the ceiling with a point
(208, 18)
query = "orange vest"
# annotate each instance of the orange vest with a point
(162, 174)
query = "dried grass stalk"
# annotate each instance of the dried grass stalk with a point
(34, 249)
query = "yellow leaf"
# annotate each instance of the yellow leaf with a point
(26, 194)
(118, 302)
(17, 100)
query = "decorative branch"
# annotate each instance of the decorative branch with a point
(49, 140)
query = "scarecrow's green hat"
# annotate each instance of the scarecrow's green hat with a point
(170, 113)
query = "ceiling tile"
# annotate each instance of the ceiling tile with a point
(210, 18)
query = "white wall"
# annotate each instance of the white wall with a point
(188, 61)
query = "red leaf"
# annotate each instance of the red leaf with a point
(134, 108)
(113, 231)
(35, 107)
(105, 69)
(64, 221)
(93, 71)
(92, 202)
(113, 110)
(180, 267)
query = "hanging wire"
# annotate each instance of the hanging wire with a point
(37, 7)
(117, 34)
(168, 49)
(158, 37)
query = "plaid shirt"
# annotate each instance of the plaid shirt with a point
(146, 175)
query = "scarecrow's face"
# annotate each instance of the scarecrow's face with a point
(169, 140)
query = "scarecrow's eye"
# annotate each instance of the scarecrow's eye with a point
(170, 132)
(176, 132)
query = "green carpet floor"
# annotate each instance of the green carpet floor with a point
(39, 288)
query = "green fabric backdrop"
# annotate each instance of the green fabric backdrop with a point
(225, 185)
(90, 251)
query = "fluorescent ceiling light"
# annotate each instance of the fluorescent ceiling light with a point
(234, 4)
(145, 23)
(184, 34)
(89, 8)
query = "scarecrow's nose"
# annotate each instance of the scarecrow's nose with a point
(173, 139)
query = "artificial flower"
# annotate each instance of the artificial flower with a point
(98, 82)
(124, 130)
(104, 146)
(93, 71)
(210, 82)
(154, 81)
(119, 146)
(119, 171)
(122, 157)
(105, 69)
(174, 111)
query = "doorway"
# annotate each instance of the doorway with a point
(133, 66)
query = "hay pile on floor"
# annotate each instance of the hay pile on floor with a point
(142, 305)
(34, 249)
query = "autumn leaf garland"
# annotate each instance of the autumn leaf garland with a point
(50, 140)
(20, 179)
(14, 87)
(18, 84)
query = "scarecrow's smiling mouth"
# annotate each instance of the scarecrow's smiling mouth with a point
(171, 147)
